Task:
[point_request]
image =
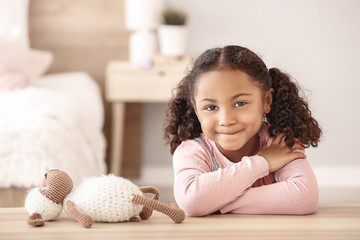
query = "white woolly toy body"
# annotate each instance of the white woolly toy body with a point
(106, 199)
(36, 202)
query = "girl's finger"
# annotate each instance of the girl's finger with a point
(263, 145)
(279, 138)
(298, 141)
(297, 145)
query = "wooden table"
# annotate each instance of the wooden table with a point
(127, 83)
(330, 222)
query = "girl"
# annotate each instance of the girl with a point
(237, 132)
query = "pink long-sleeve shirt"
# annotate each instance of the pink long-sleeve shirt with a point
(244, 187)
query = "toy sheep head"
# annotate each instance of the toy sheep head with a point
(56, 185)
(102, 199)
(45, 203)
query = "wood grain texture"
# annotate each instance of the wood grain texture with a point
(329, 222)
(84, 35)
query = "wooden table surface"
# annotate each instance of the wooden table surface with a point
(329, 222)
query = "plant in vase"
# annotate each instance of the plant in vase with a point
(173, 33)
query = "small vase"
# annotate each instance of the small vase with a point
(172, 40)
(143, 44)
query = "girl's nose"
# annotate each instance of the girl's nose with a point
(227, 118)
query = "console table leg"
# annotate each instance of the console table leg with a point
(117, 146)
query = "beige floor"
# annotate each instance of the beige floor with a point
(12, 197)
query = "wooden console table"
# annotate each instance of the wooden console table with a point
(127, 83)
(329, 222)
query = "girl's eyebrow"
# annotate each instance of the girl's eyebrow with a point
(240, 95)
(233, 97)
(208, 100)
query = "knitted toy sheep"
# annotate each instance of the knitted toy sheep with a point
(102, 199)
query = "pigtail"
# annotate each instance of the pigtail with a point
(181, 120)
(290, 113)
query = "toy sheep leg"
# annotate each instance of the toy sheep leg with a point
(35, 220)
(146, 212)
(176, 214)
(82, 218)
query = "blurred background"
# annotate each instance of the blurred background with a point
(317, 42)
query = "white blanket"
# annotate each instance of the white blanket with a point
(55, 123)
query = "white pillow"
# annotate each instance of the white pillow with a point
(14, 21)
(19, 65)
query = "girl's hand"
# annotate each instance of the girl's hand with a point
(278, 154)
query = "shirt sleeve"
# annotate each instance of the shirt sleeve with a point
(200, 191)
(296, 192)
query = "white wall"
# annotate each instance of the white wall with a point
(316, 41)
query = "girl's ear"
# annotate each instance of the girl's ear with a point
(268, 100)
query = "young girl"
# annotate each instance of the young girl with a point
(237, 132)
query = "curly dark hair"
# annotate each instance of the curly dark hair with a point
(289, 113)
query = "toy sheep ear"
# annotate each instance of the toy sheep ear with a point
(35, 220)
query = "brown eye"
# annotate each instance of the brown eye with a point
(211, 108)
(240, 104)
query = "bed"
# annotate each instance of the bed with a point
(55, 122)
(57, 118)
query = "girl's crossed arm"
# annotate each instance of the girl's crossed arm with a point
(201, 191)
(296, 192)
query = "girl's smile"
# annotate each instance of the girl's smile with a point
(230, 108)
(230, 133)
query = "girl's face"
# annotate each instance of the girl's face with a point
(230, 108)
